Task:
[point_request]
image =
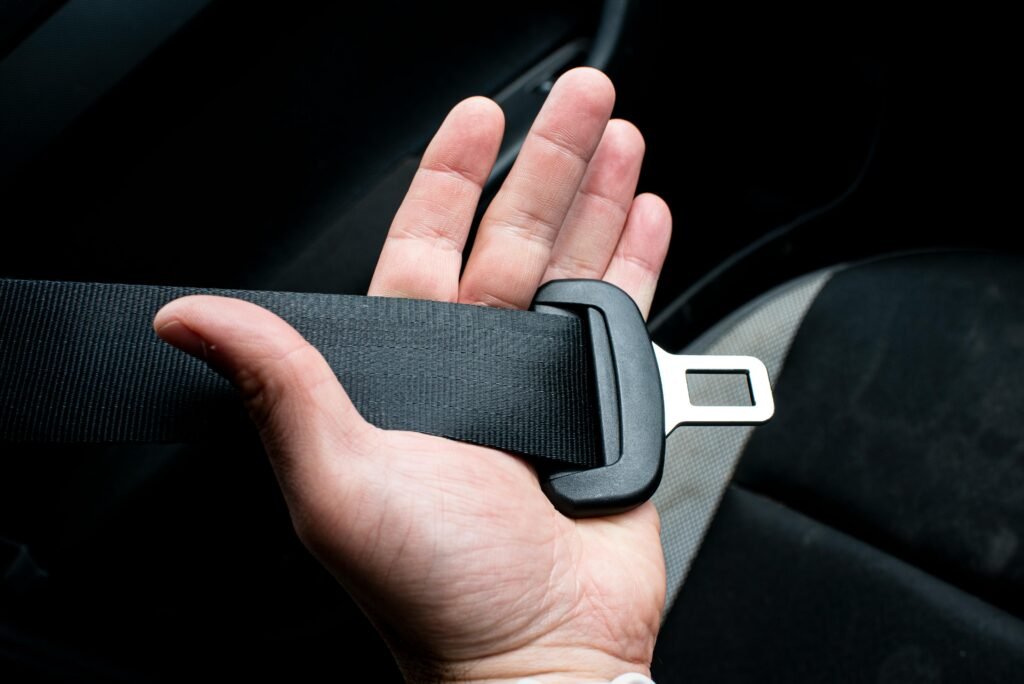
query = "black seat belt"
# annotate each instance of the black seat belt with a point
(574, 385)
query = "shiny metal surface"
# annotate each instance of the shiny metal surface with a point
(679, 410)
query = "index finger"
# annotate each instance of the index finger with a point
(422, 255)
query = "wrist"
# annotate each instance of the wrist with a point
(546, 665)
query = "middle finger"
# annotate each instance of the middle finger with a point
(516, 235)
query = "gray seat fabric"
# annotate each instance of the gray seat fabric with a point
(699, 461)
(870, 531)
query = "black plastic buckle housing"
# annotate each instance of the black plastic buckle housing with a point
(631, 411)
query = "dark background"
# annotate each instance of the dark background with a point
(251, 145)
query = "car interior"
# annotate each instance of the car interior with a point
(840, 212)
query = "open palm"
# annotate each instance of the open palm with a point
(452, 549)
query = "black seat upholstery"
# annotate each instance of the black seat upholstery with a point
(873, 530)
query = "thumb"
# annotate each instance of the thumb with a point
(308, 425)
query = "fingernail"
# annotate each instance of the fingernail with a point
(178, 334)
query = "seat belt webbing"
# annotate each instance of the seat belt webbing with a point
(79, 362)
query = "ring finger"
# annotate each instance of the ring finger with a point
(591, 231)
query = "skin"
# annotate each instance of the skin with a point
(451, 549)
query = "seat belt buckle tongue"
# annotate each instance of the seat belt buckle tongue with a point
(634, 413)
(675, 371)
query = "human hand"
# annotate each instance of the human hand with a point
(452, 549)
